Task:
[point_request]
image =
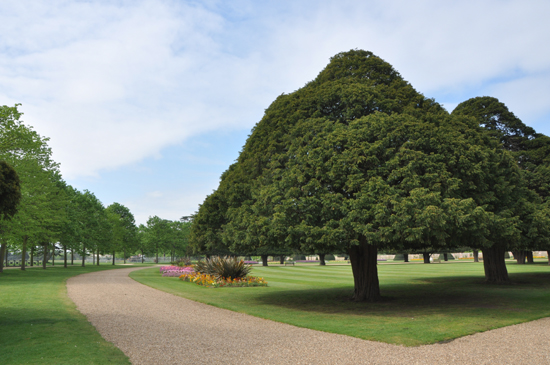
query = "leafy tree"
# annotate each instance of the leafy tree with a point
(532, 153)
(40, 213)
(125, 230)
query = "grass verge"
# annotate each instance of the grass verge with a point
(39, 324)
(422, 304)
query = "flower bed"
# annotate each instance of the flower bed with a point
(175, 271)
(210, 281)
(251, 262)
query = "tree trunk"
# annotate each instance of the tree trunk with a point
(72, 257)
(264, 260)
(495, 266)
(548, 253)
(529, 255)
(406, 257)
(445, 257)
(142, 257)
(363, 258)
(53, 254)
(65, 256)
(207, 256)
(322, 259)
(282, 259)
(476, 256)
(45, 256)
(519, 256)
(124, 253)
(113, 257)
(83, 255)
(426, 256)
(7, 254)
(98, 257)
(32, 255)
(24, 252)
(2, 251)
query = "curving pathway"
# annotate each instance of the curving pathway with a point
(153, 327)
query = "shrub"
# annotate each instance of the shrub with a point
(184, 261)
(329, 257)
(223, 267)
(299, 257)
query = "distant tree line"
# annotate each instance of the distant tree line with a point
(41, 215)
(357, 162)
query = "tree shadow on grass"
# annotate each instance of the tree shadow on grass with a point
(423, 295)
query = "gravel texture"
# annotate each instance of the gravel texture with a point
(153, 327)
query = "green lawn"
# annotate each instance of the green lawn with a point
(422, 303)
(39, 324)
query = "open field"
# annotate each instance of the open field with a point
(423, 303)
(39, 324)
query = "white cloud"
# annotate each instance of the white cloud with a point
(115, 82)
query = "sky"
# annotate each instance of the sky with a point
(146, 103)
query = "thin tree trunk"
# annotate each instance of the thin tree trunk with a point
(72, 256)
(65, 256)
(2, 252)
(98, 257)
(24, 252)
(406, 257)
(426, 256)
(32, 255)
(282, 259)
(83, 255)
(322, 259)
(45, 258)
(7, 254)
(495, 266)
(548, 253)
(476, 256)
(363, 258)
(53, 254)
(142, 256)
(529, 255)
(158, 256)
(445, 257)
(264, 260)
(124, 253)
(113, 257)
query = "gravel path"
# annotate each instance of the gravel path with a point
(153, 327)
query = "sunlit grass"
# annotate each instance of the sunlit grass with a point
(39, 324)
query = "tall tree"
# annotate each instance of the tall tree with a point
(127, 226)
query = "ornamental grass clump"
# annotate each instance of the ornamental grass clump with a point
(223, 267)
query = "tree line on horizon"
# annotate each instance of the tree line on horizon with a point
(359, 162)
(43, 216)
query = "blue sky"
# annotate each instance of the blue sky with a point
(148, 102)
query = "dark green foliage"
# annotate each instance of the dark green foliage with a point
(223, 267)
(501, 123)
(299, 257)
(10, 191)
(329, 257)
(357, 160)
